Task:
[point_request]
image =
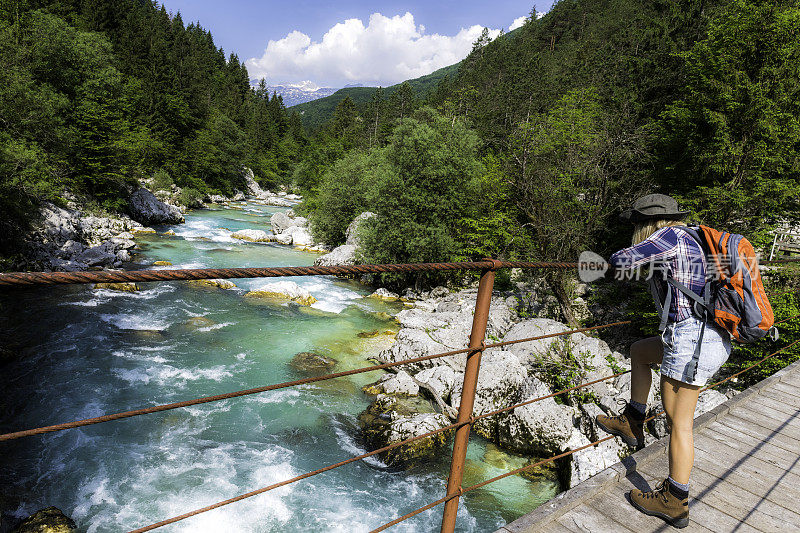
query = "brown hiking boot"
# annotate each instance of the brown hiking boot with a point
(629, 426)
(662, 503)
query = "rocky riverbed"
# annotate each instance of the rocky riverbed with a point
(425, 396)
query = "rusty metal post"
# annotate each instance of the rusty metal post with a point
(461, 440)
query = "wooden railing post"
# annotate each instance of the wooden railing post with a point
(479, 321)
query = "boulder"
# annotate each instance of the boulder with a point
(122, 287)
(388, 421)
(341, 255)
(384, 294)
(142, 229)
(60, 224)
(97, 256)
(252, 235)
(301, 237)
(353, 229)
(541, 428)
(217, 199)
(148, 209)
(238, 196)
(162, 263)
(253, 188)
(123, 256)
(49, 520)
(590, 461)
(312, 363)
(442, 379)
(283, 290)
(212, 284)
(280, 222)
(500, 379)
(399, 384)
(529, 352)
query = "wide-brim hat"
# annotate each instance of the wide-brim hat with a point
(653, 206)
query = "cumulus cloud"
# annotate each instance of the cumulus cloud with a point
(518, 22)
(385, 51)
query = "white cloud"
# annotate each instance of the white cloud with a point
(385, 51)
(518, 22)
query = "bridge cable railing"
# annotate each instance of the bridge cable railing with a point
(561, 455)
(474, 351)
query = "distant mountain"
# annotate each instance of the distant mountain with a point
(315, 114)
(298, 93)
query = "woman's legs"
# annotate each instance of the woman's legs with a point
(644, 353)
(680, 400)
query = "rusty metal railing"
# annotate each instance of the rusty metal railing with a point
(474, 351)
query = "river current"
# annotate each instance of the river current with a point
(81, 352)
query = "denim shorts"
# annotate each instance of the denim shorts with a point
(680, 341)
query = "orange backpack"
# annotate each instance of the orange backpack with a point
(734, 296)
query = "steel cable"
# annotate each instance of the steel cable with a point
(554, 458)
(368, 454)
(121, 276)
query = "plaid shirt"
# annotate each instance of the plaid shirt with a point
(673, 251)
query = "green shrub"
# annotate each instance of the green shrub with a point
(161, 180)
(191, 197)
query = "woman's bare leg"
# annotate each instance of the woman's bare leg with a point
(680, 400)
(644, 353)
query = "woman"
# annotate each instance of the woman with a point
(659, 242)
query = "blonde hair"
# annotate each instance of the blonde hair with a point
(642, 230)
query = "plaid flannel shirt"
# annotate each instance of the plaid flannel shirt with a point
(675, 252)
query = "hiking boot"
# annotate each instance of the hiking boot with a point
(629, 426)
(662, 503)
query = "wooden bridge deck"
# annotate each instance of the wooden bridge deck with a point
(746, 475)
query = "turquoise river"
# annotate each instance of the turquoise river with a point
(80, 352)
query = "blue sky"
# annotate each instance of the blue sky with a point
(333, 43)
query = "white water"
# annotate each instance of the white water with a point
(84, 352)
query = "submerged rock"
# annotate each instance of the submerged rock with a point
(122, 287)
(162, 263)
(197, 322)
(283, 290)
(49, 520)
(312, 363)
(212, 284)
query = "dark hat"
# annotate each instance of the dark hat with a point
(652, 206)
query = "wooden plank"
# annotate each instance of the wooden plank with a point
(711, 517)
(764, 422)
(777, 491)
(777, 404)
(586, 520)
(617, 507)
(781, 396)
(768, 411)
(740, 505)
(777, 439)
(552, 527)
(723, 431)
(728, 455)
(786, 388)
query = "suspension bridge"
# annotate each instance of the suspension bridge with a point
(757, 460)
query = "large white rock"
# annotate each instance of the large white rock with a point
(400, 383)
(352, 231)
(441, 378)
(288, 290)
(280, 222)
(540, 428)
(590, 461)
(253, 235)
(500, 379)
(301, 237)
(148, 209)
(341, 255)
(253, 188)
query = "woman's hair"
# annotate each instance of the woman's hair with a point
(644, 229)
